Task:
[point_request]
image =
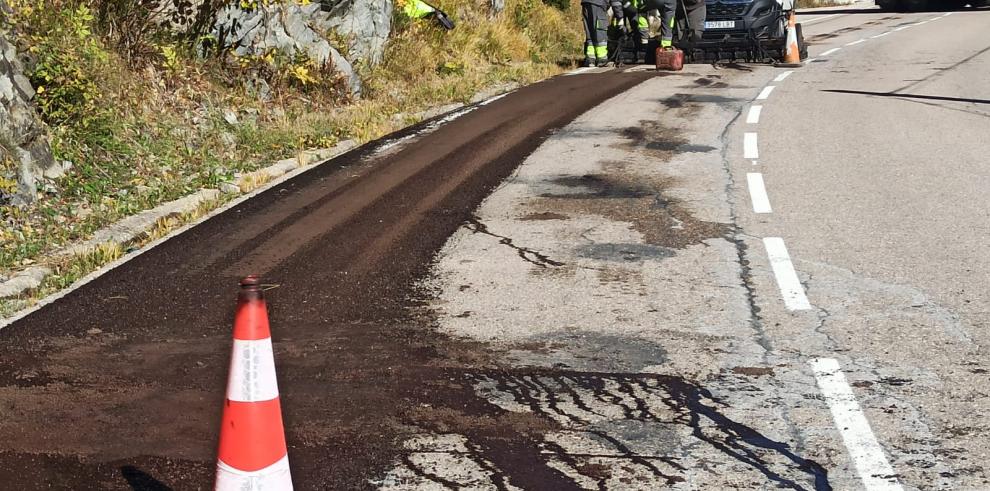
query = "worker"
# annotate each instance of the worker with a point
(418, 9)
(694, 15)
(635, 14)
(595, 29)
(668, 10)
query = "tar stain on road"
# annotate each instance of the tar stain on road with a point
(653, 136)
(587, 402)
(623, 194)
(690, 103)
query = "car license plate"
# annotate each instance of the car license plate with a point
(720, 24)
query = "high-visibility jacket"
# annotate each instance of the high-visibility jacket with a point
(416, 9)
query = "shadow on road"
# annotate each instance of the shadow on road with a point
(138, 480)
(909, 96)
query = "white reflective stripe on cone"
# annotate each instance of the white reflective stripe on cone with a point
(252, 372)
(275, 477)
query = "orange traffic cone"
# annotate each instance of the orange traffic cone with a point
(792, 56)
(252, 454)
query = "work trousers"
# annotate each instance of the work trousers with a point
(595, 32)
(694, 13)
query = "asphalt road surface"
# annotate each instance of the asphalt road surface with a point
(734, 277)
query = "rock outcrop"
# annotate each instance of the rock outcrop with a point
(25, 155)
(291, 27)
(367, 24)
(287, 28)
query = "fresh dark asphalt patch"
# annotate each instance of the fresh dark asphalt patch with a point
(120, 384)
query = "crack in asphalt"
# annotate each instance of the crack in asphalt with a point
(735, 236)
(475, 225)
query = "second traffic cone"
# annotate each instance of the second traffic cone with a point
(252, 455)
(792, 54)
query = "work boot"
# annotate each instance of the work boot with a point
(588, 62)
(600, 62)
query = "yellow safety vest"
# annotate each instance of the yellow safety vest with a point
(416, 9)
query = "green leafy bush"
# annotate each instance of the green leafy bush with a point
(67, 57)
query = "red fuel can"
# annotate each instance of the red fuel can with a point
(670, 59)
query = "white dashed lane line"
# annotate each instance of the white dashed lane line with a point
(787, 279)
(866, 453)
(754, 114)
(750, 148)
(758, 193)
(783, 76)
(882, 34)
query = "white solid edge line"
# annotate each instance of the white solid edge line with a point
(882, 34)
(809, 60)
(494, 98)
(389, 145)
(252, 371)
(904, 27)
(580, 70)
(750, 148)
(765, 92)
(754, 114)
(864, 450)
(933, 19)
(818, 19)
(854, 43)
(787, 279)
(833, 50)
(782, 76)
(758, 193)
(947, 14)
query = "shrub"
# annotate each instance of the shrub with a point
(67, 57)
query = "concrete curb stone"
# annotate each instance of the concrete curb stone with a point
(137, 226)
